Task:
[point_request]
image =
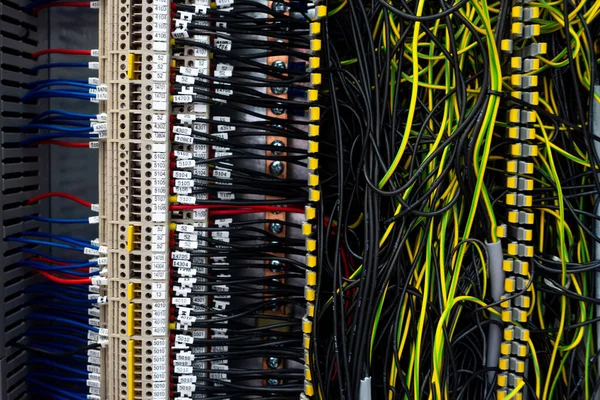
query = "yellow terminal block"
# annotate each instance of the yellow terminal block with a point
(310, 309)
(315, 45)
(515, 149)
(517, 12)
(313, 130)
(313, 163)
(314, 113)
(131, 370)
(513, 216)
(307, 229)
(507, 265)
(131, 66)
(311, 260)
(312, 146)
(130, 232)
(503, 363)
(501, 231)
(509, 285)
(310, 212)
(501, 394)
(311, 244)
(307, 374)
(306, 325)
(312, 95)
(309, 293)
(515, 62)
(306, 341)
(130, 319)
(511, 182)
(314, 195)
(315, 79)
(502, 380)
(509, 334)
(512, 249)
(511, 199)
(130, 291)
(516, 79)
(512, 166)
(517, 28)
(321, 11)
(314, 62)
(309, 390)
(315, 28)
(513, 132)
(505, 348)
(311, 278)
(506, 45)
(514, 115)
(506, 315)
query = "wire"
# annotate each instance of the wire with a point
(39, 53)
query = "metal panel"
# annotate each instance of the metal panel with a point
(22, 176)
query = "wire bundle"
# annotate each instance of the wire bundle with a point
(64, 333)
(415, 208)
(239, 142)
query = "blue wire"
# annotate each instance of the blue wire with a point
(68, 395)
(42, 242)
(43, 94)
(47, 268)
(39, 332)
(42, 254)
(58, 220)
(58, 82)
(65, 114)
(53, 287)
(62, 121)
(45, 81)
(74, 333)
(59, 64)
(68, 239)
(58, 128)
(36, 315)
(56, 365)
(52, 376)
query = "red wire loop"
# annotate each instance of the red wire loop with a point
(61, 51)
(59, 194)
(61, 4)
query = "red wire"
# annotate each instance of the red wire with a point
(61, 4)
(249, 211)
(61, 51)
(59, 194)
(232, 209)
(66, 144)
(66, 281)
(49, 261)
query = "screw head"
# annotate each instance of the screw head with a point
(273, 362)
(275, 265)
(272, 382)
(278, 90)
(276, 227)
(278, 63)
(276, 168)
(277, 110)
(276, 143)
(279, 6)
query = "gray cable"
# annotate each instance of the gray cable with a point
(496, 274)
